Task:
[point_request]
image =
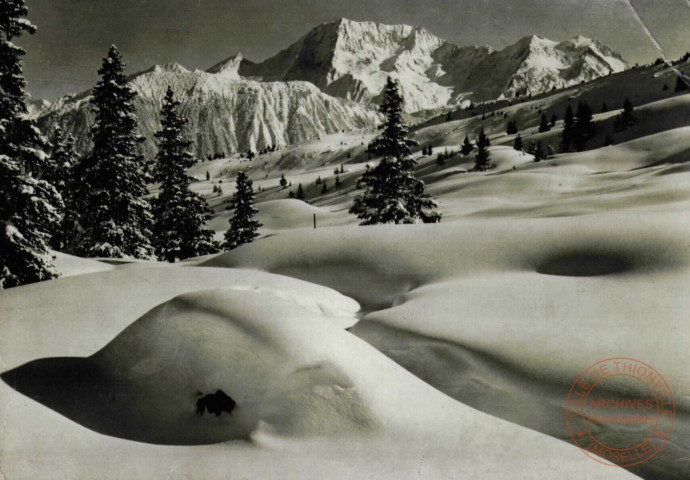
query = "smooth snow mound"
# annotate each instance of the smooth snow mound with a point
(254, 346)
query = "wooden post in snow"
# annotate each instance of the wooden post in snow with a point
(314, 221)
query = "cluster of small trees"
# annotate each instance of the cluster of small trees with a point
(540, 151)
(428, 150)
(512, 128)
(269, 149)
(443, 156)
(216, 156)
(578, 128)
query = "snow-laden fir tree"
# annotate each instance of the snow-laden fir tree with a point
(116, 219)
(61, 168)
(30, 207)
(243, 228)
(179, 214)
(393, 194)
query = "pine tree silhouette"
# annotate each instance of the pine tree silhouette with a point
(243, 228)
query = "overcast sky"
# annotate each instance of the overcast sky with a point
(74, 35)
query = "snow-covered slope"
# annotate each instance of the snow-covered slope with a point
(228, 114)
(352, 60)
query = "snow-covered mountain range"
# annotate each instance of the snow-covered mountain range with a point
(225, 112)
(352, 60)
(329, 80)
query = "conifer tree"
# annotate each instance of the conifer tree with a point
(300, 193)
(628, 114)
(481, 162)
(681, 84)
(512, 128)
(116, 219)
(517, 145)
(569, 131)
(62, 166)
(466, 146)
(554, 119)
(585, 129)
(180, 214)
(393, 193)
(539, 153)
(283, 181)
(544, 124)
(243, 228)
(30, 207)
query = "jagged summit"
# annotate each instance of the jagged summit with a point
(352, 59)
(229, 67)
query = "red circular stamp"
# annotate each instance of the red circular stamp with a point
(620, 410)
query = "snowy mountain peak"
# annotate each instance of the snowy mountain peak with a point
(170, 67)
(229, 67)
(352, 59)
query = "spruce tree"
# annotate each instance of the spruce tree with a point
(30, 207)
(393, 193)
(585, 129)
(481, 162)
(283, 181)
(554, 119)
(569, 131)
(243, 227)
(544, 124)
(517, 145)
(62, 168)
(512, 128)
(116, 219)
(180, 214)
(628, 114)
(300, 193)
(466, 146)
(681, 84)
